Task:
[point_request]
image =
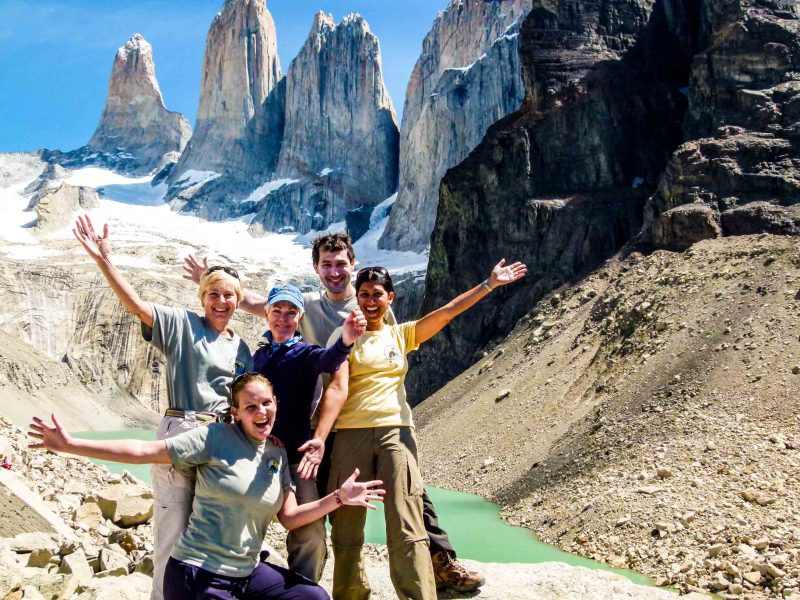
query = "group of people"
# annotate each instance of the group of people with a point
(314, 422)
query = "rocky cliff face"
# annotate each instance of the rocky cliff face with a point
(739, 170)
(467, 77)
(236, 128)
(341, 134)
(136, 130)
(561, 184)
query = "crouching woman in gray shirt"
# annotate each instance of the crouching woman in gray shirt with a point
(243, 482)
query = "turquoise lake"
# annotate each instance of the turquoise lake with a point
(473, 524)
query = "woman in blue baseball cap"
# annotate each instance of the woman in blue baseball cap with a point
(293, 366)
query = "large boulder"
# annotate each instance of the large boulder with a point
(26, 512)
(679, 228)
(136, 586)
(125, 504)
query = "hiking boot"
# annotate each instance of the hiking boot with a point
(448, 572)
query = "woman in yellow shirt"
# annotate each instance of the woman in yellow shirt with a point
(375, 433)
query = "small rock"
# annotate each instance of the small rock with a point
(76, 564)
(664, 472)
(502, 395)
(40, 558)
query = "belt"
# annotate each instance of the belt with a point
(205, 418)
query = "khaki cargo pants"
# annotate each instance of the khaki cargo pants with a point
(306, 545)
(389, 454)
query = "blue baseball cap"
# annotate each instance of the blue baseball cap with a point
(288, 292)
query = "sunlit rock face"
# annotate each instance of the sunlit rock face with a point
(136, 131)
(467, 77)
(341, 133)
(237, 129)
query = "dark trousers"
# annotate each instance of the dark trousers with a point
(183, 581)
(438, 538)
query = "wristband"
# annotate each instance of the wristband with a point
(337, 498)
(485, 283)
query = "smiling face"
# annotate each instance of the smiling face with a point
(219, 304)
(255, 410)
(335, 270)
(283, 319)
(374, 301)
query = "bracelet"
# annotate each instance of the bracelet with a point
(485, 283)
(337, 498)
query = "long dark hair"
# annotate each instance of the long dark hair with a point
(376, 274)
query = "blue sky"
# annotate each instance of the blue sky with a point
(56, 55)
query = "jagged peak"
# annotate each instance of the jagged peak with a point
(322, 23)
(355, 20)
(136, 44)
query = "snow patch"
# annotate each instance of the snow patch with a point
(192, 177)
(368, 253)
(325, 172)
(95, 177)
(265, 189)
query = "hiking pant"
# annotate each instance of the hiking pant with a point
(389, 454)
(437, 537)
(188, 582)
(306, 545)
(173, 492)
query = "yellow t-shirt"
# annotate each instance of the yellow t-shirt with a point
(376, 391)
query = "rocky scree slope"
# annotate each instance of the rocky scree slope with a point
(646, 416)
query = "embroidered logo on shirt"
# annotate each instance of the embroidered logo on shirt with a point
(274, 465)
(238, 367)
(392, 356)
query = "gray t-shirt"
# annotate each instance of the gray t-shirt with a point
(201, 363)
(240, 487)
(323, 315)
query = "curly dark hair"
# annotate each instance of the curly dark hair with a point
(332, 242)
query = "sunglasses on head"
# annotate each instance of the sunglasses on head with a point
(230, 271)
(378, 270)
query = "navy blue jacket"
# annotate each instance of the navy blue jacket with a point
(293, 371)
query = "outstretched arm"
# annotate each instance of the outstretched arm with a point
(252, 302)
(352, 493)
(329, 406)
(99, 248)
(54, 437)
(433, 322)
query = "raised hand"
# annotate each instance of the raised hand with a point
(356, 493)
(354, 327)
(51, 437)
(97, 246)
(194, 269)
(314, 450)
(502, 274)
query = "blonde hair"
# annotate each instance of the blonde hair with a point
(209, 280)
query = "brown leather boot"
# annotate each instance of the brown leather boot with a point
(448, 572)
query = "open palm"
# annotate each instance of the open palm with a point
(502, 274)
